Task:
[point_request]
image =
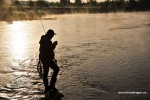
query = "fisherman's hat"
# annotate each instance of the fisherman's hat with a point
(50, 31)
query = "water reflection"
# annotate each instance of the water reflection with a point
(18, 39)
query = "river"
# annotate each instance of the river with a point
(117, 43)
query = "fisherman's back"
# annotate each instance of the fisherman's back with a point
(46, 48)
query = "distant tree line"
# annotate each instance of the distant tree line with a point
(29, 10)
(125, 5)
(107, 5)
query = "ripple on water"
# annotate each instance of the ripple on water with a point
(4, 97)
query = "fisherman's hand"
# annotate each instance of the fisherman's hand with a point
(55, 43)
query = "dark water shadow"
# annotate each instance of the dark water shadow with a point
(2, 98)
(119, 28)
(38, 93)
(56, 97)
(48, 98)
(131, 27)
(148, 24)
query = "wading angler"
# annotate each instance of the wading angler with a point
(47, 57)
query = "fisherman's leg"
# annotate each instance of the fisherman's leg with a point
(55, 68)
(45, 77)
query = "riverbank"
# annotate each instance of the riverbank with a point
(13, 13)
(26, 13)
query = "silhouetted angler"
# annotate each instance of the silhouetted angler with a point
(47, 58)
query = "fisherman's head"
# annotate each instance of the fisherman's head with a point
(50, 33)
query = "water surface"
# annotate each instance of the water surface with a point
(121, 38)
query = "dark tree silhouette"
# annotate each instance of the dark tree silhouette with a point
(120, 4)
(92, 2)
(78, 2)
(16, 3)
(65, 2)
(1, 3)
(132, 4)
(30, 3)
(42, 3)
(144, 4)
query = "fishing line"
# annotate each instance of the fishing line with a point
(42, 25)
(41, 21)
(37, 15)
(39, 66)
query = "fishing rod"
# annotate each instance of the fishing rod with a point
(39, 64)
(42, 25)
(36, 14)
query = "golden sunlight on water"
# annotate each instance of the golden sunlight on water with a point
(102, 52)
(18, 40)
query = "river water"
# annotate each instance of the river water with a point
(122, 38)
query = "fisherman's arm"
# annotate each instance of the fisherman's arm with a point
(54, 45)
